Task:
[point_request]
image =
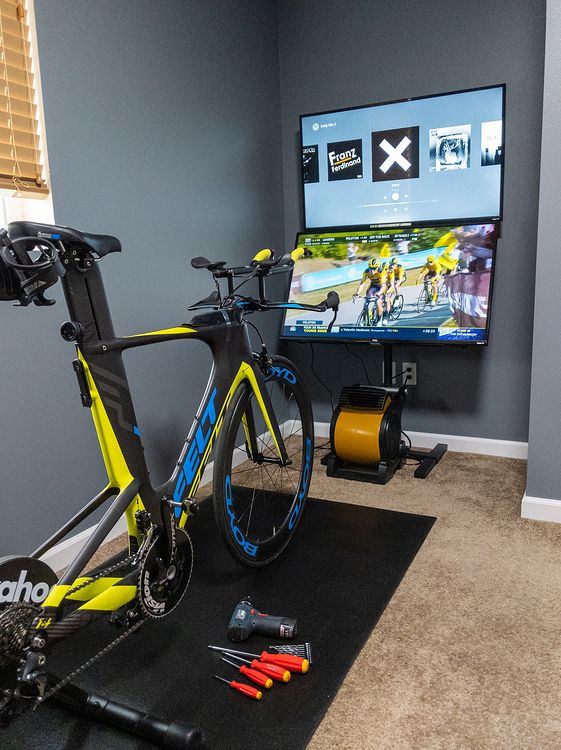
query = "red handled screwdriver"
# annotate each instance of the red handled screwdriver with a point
(277, 673)
(286, 661)
(251, 692)
(252, 674)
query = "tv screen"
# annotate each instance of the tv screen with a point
(437, 158)
(430, 284)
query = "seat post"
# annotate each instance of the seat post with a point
(85, 297)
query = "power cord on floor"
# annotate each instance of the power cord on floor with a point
(413, 461)
(323, 446)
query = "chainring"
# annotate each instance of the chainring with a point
(162, 586)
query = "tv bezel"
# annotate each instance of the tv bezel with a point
(431, 222)
(327, 338)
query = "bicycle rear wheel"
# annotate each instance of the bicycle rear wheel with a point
(258, 503)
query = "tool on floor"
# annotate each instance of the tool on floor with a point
(279, 674)
(304, 650)
(287, 661)
(251, 692)
(252, 674)
(246, 620)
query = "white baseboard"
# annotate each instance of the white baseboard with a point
(62, 554)
(541, 509)
(458, 443)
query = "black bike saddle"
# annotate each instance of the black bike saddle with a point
(100, 244)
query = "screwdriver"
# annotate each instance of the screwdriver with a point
(252, 674)
(251, 692)
(286, 661)
(273, 670)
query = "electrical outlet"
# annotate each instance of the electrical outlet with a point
(409, 373)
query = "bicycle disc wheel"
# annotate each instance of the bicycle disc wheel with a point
(258, 503)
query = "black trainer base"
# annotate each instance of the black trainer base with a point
(379, 474)
(427, 459)
(176, 734)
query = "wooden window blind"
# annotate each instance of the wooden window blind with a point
(21, 167)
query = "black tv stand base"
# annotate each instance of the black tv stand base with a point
(427, 459)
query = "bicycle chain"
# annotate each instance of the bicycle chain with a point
(136, 558)
(101, 574)
(89, 663)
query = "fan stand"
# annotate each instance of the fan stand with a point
(384, 471)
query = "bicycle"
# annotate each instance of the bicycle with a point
(369, 315)
(397, 306)
(425, 296)
(255, 410)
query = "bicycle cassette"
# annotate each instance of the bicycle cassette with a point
(162, 585)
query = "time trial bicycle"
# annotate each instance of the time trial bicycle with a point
(255, 412)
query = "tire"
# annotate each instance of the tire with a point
(362, 319)
(397, 307)
(258, 506)
(423, 300)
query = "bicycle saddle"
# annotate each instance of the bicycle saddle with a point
(99, 244)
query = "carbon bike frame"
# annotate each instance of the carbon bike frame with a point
(104, 388)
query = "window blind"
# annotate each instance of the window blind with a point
(21, 167)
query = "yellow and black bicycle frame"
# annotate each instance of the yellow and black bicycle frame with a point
(105, 390)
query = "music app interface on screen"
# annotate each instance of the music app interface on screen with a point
(423, 160)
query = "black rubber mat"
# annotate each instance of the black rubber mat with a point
(336, 577)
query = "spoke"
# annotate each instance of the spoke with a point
(250, 512)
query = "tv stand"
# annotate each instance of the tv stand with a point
(429, 458)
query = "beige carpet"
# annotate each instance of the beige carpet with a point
(466, 655)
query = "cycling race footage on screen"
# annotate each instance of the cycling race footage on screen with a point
(417, 284)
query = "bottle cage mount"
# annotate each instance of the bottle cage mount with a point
(28, 267)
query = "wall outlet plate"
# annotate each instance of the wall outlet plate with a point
(409, 373)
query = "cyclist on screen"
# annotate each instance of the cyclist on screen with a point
(372, 286)
(389, 295)
(431, 273)
(399, 273)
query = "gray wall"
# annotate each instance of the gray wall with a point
(544, 466)
(163, 128)
(337, 54)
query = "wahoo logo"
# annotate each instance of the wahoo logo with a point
(196, 450)
(248, 548)
(305, 482)
(282, 373)
(23, 591)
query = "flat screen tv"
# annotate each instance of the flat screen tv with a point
(437, 291)
(422, 160)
